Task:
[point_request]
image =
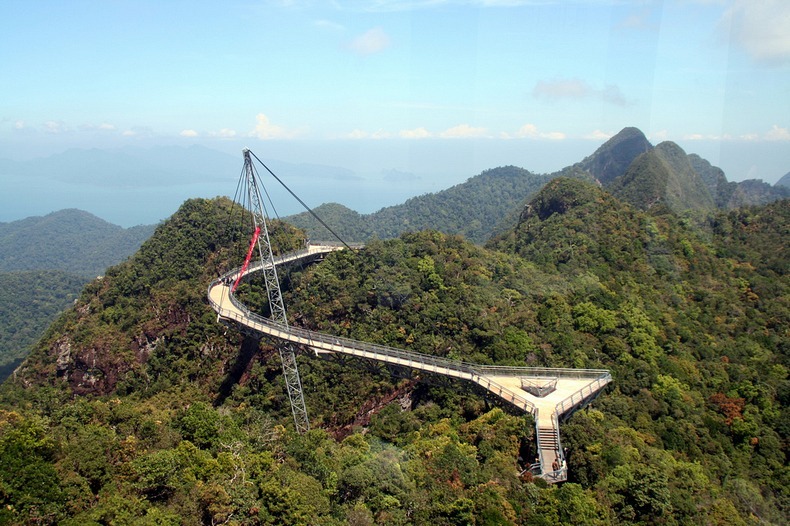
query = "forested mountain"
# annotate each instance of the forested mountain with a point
(613, 158)
(663, 176)
(44, 263)
(627, 165)
(784, 181)
(29, 301)
(729, 195)
(138, 407)
(630, 167)
(472, 209)
(69, 240)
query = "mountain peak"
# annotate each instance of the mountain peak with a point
(558, 197)
(71, 240)
(613, 157)
(663, 175)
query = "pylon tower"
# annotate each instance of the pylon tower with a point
(287, 350)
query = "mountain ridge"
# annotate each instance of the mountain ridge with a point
(124, 385)
(71, 240)
(663, 175)
(45, 261)
(627, 164)
(472, 209)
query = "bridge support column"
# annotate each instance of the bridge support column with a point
(294, 386)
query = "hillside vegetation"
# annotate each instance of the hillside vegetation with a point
(473, 209)
(626, 165)
(138, 407)
(70, 240)
(29, 301)
(44, 263)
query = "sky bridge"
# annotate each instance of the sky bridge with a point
(551, 395)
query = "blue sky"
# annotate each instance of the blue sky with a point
(376, 86)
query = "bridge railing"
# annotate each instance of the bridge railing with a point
(410, 359)
(541, 372)
(480, 374)
(506, 394)
(590, 390)
(477, 373)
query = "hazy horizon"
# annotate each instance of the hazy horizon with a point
(362, 182)
(406, 97)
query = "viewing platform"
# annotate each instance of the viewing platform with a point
(550, 395)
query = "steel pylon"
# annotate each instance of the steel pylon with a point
(287, 351)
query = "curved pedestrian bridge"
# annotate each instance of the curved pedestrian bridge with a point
(550, 395)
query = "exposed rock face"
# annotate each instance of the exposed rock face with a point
(62, 348)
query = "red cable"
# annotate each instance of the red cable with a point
(247, 259)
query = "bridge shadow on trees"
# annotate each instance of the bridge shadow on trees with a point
(249, 348)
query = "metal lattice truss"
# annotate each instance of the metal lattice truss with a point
(274, 293)
(550, 395)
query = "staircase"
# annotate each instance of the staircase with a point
(551, 395)
(550, 450)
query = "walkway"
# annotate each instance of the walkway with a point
(550, 395)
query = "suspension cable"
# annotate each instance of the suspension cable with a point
(265, 192)
(301, 202)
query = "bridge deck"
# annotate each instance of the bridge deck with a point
(574, 387)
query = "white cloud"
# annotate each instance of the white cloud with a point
(370, 42)
(19, 125)
(103, 127)
(777, 133)
(762, 28)
(611, 94)
(129, 133)
(266, 130)
(561, 89)
(225, 133)
(598, 135)
(704, 137)
(577, 89)
(188, 133)
(416, 133)
(328, 25)
(380, 134)
(659, 136)
(530, 131)
(463, 130)
(554, 136)
(55, 127)
(358, 134)
(362, 134)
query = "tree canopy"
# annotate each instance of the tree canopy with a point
(138, 407)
